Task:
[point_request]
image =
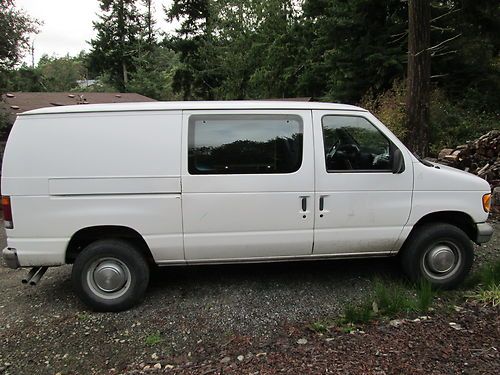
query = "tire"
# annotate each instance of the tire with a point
(110, 275)
(440, 253)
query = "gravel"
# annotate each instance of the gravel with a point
(46, 330)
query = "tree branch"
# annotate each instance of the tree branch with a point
(445, 14)
(439, 45)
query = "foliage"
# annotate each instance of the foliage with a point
(117, 41)
(353, 47)
(425, 296)
(389, 107)
(392, 298)
(4, 120)
(319, 327)
(357, 314)
(452, 123)
(350, 51)
(61, 73)
(154, 74)
(489, 295)
(487, 275)
(389, 299)
(24, 79)
(154, 339)
(15, 30)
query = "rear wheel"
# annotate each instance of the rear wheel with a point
(110, 275)
(440, 253)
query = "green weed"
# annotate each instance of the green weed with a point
(154, 339)
(392, 298)
(489, 295)
(319, 327)
(425, 296)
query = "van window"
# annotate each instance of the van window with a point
(244, 144)
(353, 143)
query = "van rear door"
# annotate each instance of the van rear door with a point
(247, 184)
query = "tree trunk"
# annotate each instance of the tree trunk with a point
(125, 74)
(419, 71)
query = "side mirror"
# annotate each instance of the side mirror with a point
(398, 161)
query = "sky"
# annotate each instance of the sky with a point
(67, 24)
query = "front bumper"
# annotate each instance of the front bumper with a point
(9, 256)
(484, 232)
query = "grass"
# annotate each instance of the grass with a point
(488, 274)
(392, 297)
(319, 327)
(389, 300)
(425, 296)
(83, 316)
(154, 339)
(487, 283)
(358, 314)
(489, 295)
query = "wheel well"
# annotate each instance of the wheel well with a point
(85, 236)
(456, 218)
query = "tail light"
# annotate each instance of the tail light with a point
(7, 212)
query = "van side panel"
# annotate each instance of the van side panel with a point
(72, 171)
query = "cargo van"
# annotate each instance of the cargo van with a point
(117, 189)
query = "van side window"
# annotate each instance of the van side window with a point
(244, 144)
(354, 144)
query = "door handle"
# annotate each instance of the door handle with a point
(322, 202)
(303, 202)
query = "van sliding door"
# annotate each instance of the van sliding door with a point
(247, 184)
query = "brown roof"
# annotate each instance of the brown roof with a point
(18, 102)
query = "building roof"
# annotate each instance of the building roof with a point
(18, 102)
(194, 105)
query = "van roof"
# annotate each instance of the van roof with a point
(192, 105)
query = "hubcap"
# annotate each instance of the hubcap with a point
(109, 276)
(441, 259)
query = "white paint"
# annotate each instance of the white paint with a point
(71, 168)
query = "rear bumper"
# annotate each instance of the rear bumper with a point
(9, 256)
(484, 232)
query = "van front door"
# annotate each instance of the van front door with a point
(247, 184)
(362, 206)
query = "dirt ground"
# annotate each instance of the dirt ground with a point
(238, 319)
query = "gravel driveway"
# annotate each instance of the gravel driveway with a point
(46, 330)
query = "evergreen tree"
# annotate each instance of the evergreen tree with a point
(193, 43)
(117, 42)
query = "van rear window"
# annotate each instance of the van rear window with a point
(244, 144)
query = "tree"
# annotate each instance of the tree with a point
(61, 73)
(353, 46)
(154, 74)
(15, 30)
(419, 72)
(193, 43)
(117, 40)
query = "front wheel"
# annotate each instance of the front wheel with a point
(439, 253)
(110, 275)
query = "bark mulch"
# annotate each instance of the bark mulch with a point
(427, 345)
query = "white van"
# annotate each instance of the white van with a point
(115, 189)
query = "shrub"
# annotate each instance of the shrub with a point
(451, 122)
